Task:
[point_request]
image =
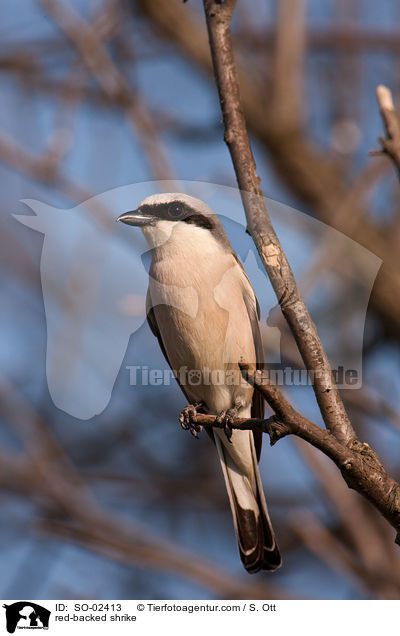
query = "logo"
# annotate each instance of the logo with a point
(95, 273)
(26, 615)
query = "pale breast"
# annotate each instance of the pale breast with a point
(204, 322)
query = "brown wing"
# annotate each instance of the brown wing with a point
(258, 402)
(152, 322)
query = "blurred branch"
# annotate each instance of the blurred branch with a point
(142, 551)
(45, 169)
(360, 532)
(390, 143)
(371, 403)
(323, 544)
(287, 90)
(45, 473)
(330, 252)
(346, 38)
(89, 43)
(61, 139)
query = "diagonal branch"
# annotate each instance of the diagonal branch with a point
(310, 171)
(357, 462)
(390, 143)
(218, 17)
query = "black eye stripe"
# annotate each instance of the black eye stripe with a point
(178, 211)
(201, 221)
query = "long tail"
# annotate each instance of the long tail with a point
(256, 539)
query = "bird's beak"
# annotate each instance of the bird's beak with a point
(134, 217)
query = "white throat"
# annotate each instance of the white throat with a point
(167, 239)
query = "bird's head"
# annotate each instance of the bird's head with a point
(162, 216)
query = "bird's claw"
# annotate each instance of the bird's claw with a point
(187, 419)
(227, 418)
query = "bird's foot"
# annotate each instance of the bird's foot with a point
(187, 419)
(227, 418)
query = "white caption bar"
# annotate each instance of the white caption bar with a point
(239, 617)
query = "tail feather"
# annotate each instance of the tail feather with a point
(256, 539)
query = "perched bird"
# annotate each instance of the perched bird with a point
(205, 315)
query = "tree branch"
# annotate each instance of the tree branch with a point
(390, 144)
(312, 173)
(357, 462)
(218, 17)
(359, 465)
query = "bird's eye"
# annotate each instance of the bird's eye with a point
(175, 210)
